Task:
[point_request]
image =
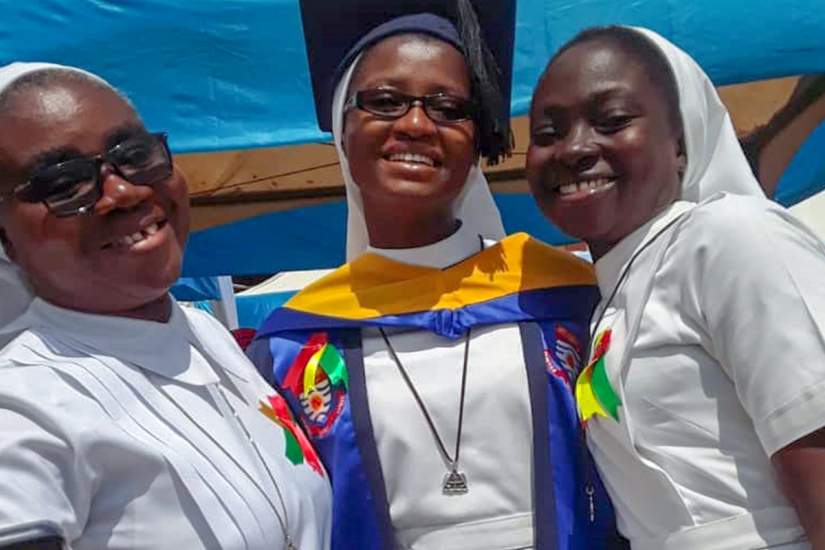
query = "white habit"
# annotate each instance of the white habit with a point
(122, 434)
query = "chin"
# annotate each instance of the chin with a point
(158, 279)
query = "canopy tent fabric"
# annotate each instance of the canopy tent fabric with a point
(223, 76)
(233, 75)
(288, 281)
(255, 304)
(257, 245)
(252, 310)
(805, 177)
(194, 289)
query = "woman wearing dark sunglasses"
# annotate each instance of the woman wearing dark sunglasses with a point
(432, 371)
(125, 421)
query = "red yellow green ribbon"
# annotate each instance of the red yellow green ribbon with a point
(298, 447)
(317, 353)
(594, 394)
(329, 359)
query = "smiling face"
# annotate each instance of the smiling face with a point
(124, 255)
(604, 156)
(409, 163)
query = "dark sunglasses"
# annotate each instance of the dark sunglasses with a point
(72, 187)
(390, 104)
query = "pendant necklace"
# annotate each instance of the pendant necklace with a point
(455, 481)
(589, 484)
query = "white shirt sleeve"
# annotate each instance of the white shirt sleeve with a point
(43, 477)
(757, 279)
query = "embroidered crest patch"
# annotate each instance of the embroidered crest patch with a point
(564, 356)
(318, 378)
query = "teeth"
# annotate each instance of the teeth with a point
(589, 186)
(134, 238)
(412, 157)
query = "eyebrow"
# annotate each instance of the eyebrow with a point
(62, 154)
(399, 85)
(122, 133)
(609, 91)
(50, 157)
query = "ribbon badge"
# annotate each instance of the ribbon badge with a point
(298, 447)
(318, 378)
(594, 394)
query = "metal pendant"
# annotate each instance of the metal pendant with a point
(455, 483)
(290, 545)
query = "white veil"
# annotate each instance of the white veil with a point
(715, 160)
(15, 294)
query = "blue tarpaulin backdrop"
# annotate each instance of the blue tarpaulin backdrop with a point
(221, 75)
(250, 246)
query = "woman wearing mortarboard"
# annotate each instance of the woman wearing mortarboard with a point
(433, 370)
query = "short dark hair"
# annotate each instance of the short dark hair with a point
(53, 76)
(645, 51)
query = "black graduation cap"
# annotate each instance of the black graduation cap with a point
(333, 27)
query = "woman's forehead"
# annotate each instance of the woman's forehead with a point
(594, 70)
(596, 59)
(74, 115)
(403, 55)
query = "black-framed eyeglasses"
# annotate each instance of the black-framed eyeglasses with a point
(72, 187)
(390, 104)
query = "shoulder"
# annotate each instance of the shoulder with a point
(743, 227)
(218, 342)
(736, 215)
(207, 328)
(539, 260)
(35, 388)
(200, 318)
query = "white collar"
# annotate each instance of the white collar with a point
(442, 254)
(610, 266)
(172, 349)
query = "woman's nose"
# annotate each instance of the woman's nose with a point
(415, 123)
(579, 150)
(117, 193)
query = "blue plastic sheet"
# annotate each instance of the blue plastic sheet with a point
(225, 75)
(222, 75)
(253, 310)
(805, 176)
(192, 289)
(313, 238)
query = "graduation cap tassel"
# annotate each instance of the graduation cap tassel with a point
(494, 124)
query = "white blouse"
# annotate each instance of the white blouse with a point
(727, 368)
(14, 296)
(127, 434)
(497, 440)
